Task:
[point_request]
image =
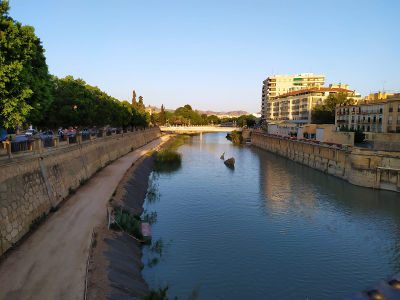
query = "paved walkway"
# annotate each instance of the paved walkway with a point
(51, 263)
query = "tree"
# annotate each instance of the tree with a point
(25, 84)
(140, 105)
(78, 104)
(162, 117)
(325, 113)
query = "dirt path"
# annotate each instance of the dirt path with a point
(51, 263)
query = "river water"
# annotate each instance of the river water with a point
(269, 229)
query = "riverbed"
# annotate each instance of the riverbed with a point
(268, 229)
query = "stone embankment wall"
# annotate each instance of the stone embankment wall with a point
(363, 167)
(30, 187)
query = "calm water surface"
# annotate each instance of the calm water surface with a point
(270, 229)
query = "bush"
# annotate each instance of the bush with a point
(359, 136)
(235, 137)
(127, 222)
(160, 294)
(168, 157)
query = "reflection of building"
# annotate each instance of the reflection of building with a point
(372, 115)
(277, 85)
(279, 181)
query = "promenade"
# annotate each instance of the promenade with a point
(51, 262)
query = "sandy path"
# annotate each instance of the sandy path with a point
(51, 262)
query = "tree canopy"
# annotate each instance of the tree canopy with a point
(30, 95)
(78, 104)
(25, 83)
(325, 113)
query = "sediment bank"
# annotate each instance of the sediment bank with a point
(115, 260)
(363, 167)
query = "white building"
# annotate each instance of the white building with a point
(277, 85)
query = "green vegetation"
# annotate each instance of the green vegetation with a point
(169, 159)
(150, 217)
(184, 115)
(235, 137)
(325, 113)
(25, 84)
(359, 135)
(159, 294)
(78, 104)
(30, 95)
(168, 156)
(126, 221)
(243, 120)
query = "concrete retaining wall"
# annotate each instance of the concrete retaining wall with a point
(375, 169)
(31, 186)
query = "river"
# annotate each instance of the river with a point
(269, 229)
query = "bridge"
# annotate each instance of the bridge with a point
(197, 129)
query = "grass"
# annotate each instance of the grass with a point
(128, 222)
(168, 156)
(159, 294)
(170, 159)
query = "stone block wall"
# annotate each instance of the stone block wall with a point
(363, 167)
(30, 187)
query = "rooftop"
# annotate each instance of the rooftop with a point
(315, 90)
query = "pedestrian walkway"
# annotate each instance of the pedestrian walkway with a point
(51, 262)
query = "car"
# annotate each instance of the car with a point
(3, 135)
(47, 134)
(70, 132)
(85, 131)
(30, 132)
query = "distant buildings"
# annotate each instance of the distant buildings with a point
(378, 113)
(277, 85)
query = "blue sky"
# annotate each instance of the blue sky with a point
(215, 54)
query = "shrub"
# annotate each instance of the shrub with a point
(235, 137)
(168, 157)
(127, 222)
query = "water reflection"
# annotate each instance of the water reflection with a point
(246, 234)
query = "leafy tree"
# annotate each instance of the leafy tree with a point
(78, 104)
(162, 116)
(24, 80)
(325, 113)
(359, 135)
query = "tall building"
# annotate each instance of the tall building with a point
(277, 85)
(296, 106)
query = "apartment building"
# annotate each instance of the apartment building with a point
(297, 106)
(277, 85)
(381, 116)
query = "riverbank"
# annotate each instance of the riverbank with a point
(362, 167)
(51, 262)
(115, 266)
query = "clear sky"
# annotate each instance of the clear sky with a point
(214, 54)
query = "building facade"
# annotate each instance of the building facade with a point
(297, 106)
(375, 116)
(277, 85)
